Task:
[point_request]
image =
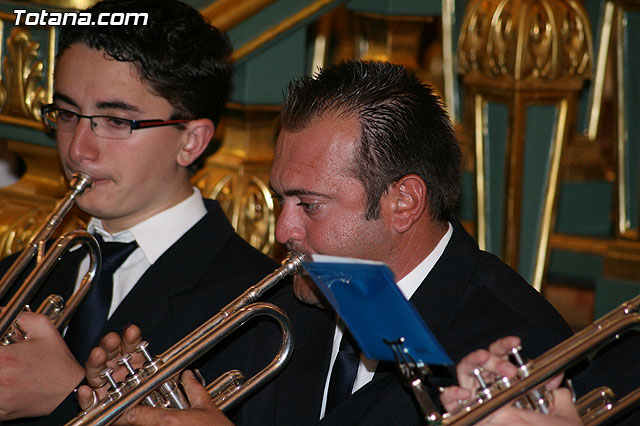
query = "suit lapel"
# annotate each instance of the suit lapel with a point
(439, 294)
(176, 272)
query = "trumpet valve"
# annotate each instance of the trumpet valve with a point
(523, 368)
(143, 348)
(125, 360)
(515, 352)
(477, 374)
(116, 390)
(173, 396)
(151, 363)
(536, 399)
(134, 378)
(52, 307)
(14, 335)
(154, 400)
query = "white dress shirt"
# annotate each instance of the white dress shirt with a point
(154, 236)
(408, 285)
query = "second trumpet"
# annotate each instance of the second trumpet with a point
(154, 384)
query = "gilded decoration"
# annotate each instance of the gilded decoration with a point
(26, 204)
(247, 203)
(21, 93)
(423, 44)
(526, 41)
(237, 174)
(15, 234)
(21, 221)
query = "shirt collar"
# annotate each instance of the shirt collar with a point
(410, 283)
(157, 233)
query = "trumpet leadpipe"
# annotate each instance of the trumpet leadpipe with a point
(289, 266)
(79, 183)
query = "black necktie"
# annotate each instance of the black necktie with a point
(88, 321)
(344, 372)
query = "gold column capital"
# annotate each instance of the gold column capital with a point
(526, 44)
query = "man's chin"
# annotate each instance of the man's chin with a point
(306, 291)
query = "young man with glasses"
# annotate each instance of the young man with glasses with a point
(135, 107)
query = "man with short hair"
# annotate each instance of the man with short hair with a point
(135, 107)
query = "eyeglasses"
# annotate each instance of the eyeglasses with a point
(104, 126)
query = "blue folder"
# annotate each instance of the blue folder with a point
(371, 305)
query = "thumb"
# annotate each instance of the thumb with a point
(35, 325)
(86, 397)
(452, 396)
(142, 416)
(564, 406)
(198, 396)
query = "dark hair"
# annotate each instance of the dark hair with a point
(183, 58)
(404, 128)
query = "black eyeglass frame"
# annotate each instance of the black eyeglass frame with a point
(135, 124)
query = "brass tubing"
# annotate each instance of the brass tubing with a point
(252, 294)
(33, 282)
(599, 396)
(203, 339)
(555, 360)
(107, 413)
(79, 183)
(613, 410)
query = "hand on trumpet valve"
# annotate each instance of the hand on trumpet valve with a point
(38, 373)
(109, 355)
(481, 366)
(484, 372)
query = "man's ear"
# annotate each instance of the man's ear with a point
(196, 139)
(408, 197)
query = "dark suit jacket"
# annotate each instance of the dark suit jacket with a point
(196, 277)
(469, 299)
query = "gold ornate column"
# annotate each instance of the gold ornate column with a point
(523, 63)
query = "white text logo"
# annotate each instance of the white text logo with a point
(44, 17)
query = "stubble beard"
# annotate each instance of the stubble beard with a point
(306, 290)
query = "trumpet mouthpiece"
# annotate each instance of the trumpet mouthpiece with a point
(80, 182)
(293, 262)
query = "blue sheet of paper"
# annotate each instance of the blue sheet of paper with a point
(371, 305)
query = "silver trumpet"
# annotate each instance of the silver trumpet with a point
(54, 305)
(527, 389)
(155, 384)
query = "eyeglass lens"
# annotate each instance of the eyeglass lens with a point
(103, 126)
